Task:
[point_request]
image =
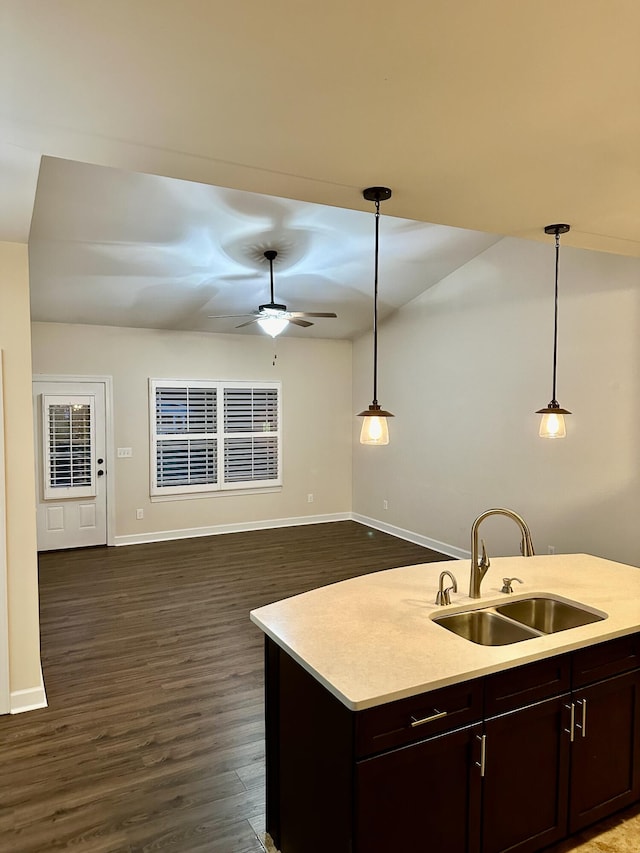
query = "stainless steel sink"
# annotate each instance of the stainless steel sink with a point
(485, 628)
(514, 621)
(547, 614)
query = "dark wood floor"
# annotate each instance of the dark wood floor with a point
(153, 739)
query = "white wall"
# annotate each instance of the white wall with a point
(22, 570)
(464, 367)
(316, 389)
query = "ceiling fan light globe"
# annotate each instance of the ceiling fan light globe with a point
(273, 325)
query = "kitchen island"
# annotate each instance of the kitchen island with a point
(386, 731)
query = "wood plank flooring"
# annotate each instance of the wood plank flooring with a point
(154, 739)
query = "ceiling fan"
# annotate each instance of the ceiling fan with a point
(273, 317)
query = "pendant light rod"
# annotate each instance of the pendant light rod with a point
(375, 306)
(557, 230)
(376, 194)
(552, 424)
(555, 321)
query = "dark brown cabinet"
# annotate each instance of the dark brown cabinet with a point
(513, 761)
(526, 762)
(423, 797)
(605, 753)
(524, 803)
(400, 776)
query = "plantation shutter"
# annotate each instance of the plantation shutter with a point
(251, 428)
(207, 436)
(186, 441)
(69, 436)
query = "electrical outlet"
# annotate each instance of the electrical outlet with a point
(552, 549)
(139, 514)
(385, 504)
(309, 498)
(125, 452)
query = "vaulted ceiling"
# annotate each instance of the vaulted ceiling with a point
(494, 117)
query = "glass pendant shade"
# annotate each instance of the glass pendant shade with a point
(552, 423)
(273, 325)
(375, 429)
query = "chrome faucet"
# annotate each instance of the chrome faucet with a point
(444, 595)
(479, 565)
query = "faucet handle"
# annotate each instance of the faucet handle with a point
(507, 584)
(485, 562)
(443, 596)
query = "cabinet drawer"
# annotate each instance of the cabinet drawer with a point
(523, 685)
(605, 659)
(417, 718)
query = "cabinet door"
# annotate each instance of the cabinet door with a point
(526, 777)
(309, 760)
(421, 798)
(605, 758)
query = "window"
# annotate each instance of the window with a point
(209, 436)
(68, 430)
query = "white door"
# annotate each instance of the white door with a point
(70, 445)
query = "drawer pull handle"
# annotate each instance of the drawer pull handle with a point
(583, 725)
(438, 715)
(572, 721)
(482, 764)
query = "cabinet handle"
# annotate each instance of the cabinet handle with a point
(483, 754)
(583, 725)
(572, 721)
(437, 715)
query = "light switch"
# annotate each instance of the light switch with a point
(125, 452)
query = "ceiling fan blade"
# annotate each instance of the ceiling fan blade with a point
(298, 322)
(312, 314)
(248, 323)
(224, 316)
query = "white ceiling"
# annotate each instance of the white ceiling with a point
(498, 117)
(126, 249)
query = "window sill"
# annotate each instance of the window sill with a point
(218, 493)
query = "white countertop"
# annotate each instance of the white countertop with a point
(371, 640)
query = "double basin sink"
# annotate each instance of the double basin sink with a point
(514, 621)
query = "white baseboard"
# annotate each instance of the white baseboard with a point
(239, 527)
(416, 538)
(29, 699)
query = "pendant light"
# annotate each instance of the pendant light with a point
(374, 427)
(552, 424)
